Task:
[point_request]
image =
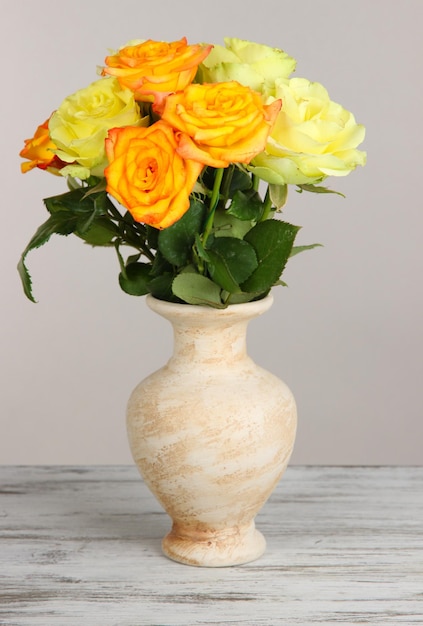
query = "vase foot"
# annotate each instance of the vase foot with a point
(214, 548)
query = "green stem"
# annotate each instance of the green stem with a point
(120, 259)
(256, 182)
(130, 233)
(216, 189)
(267, 206)
(225, 186)
(135, 240)
(213, 204)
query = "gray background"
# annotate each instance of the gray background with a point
(345, 335)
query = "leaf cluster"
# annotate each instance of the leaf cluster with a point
(227, 248)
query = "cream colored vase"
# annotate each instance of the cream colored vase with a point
(211, 433)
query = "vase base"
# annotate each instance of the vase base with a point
(221, 548)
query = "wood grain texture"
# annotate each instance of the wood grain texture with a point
(81, 545)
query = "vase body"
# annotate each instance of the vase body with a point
(211, 433)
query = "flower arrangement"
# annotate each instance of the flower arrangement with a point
(184, 154)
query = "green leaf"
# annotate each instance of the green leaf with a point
(101, 232)
(175, 243)
(136, 280)
(161, 287)
(89, 208)
(76, 201)
(317, 189)
(241, 298)
(221, 274)
(232, 261)
(134, 258)
(278, 195)
(152, 237)
(246, 206)
(102, 203)
(96, 188)
(85, 222)
(197, 289)
(160, 265)
(272, 241)
(61, 223)
(25, 279)
(202, 254)
(241, 181)
(226, 225)
(297, 249)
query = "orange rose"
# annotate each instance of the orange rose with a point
(39, 151)
(146, 174)
(222, 123)
(153, 69)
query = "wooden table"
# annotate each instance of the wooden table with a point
(81, 546)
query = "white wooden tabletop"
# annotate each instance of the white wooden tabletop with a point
(81, 546)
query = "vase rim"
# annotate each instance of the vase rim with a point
(245, 309)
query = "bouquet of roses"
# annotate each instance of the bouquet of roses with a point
(183, 154)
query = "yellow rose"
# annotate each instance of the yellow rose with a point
(251, 64)
(312, 137)
(147, 175)
(79, 126)
(152, 69)
(220, 123)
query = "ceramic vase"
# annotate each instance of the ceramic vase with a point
(211, 433)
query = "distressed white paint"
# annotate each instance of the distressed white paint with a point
(81, 545)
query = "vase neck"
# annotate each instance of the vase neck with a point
(206, 335)
(211, 343)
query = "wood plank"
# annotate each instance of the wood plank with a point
(81, 545)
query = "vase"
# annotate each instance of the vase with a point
(211, 433)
